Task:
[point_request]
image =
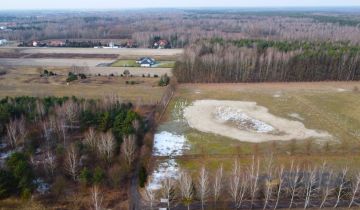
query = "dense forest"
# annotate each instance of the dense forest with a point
(183, 27)
(217, 60)
(72, 145)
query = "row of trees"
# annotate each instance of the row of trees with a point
(259, 61)
(183, 27)
(261, 186)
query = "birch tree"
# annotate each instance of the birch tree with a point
(106, 145)
(91, 138)
(203, 183)
(218, 183)
(72, 162)
(167, 190)
(16, 132)
(341, 187)
(355, 190)
(186, 188)
(96, 198)
(128, 148)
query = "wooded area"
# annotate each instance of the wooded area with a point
(217, 60)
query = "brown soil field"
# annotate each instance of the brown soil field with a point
(18, 83)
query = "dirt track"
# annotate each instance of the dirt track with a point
(120, 51)
(52, 62)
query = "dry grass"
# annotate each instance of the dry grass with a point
(27, 81)
(329, 106)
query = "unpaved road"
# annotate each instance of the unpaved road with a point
(120, 51)
(45, 62)
(202, 115)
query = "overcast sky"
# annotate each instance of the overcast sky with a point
(124, 4)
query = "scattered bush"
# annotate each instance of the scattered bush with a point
(164, 80)
(71, 77)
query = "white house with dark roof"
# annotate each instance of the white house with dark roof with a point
(146, 62)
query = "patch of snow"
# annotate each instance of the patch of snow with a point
(5, 155)
(168, 144)
(296, 116)
(3, 145)
(241, 119)
(341, 90)
(165, 170)
(42, 186)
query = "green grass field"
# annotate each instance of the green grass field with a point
(125, 63)
(132, 63)
(332, 107)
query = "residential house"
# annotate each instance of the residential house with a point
(146, 62)
(161, 44)
(56, 43)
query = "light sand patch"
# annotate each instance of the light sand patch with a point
(296, 116)
(245, 121)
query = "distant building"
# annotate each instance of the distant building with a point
(112, 45)
(146, 62)
(34, 43)
(56, 43)
(161, 44)
(3, 41)
(3, 27)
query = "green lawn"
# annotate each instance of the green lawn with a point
(132, 63)
(125, 63)
(337, 112)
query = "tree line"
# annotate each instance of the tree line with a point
(260, 184)
(219, 60)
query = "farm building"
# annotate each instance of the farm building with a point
(146, 62)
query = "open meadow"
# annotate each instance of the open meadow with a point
(331, 109)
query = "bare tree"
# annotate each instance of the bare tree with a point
(292, 180)
(279, 188)
(90, 138)
(167, 190)
(61, 129)
(186, 188)
(355, 189)
(16, 132)
(268, 180)
(218, 183)
(203, 182)
(50, 162)
(309, 183)
(96, 198)
(341, 186)
(254, 179)
(150, 194)
(235, 183)
(72, 162)
(128, 148)
(106, 145)
(326, 189)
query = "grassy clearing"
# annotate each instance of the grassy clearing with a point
(27, 81)
(125, 63)
(332, 107)
(132, 63)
